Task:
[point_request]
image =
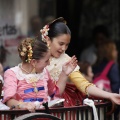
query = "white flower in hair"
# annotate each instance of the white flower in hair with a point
(44, 32)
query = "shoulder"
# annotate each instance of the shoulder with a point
(46, 72)
(10, 70)
(114, 67)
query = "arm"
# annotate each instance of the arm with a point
(12, 102)
(59, 87)
(10, 85)
(67, 68)
(83, 85)
(94, 91)
(10, 92)
(62, 82)
(21, 105)
(80, 82)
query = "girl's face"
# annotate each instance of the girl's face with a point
(114, 52)
(59, 45)
(42, 63)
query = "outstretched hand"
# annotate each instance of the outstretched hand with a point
(69, 66)
(115, 98)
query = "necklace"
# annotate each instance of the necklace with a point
(24, 69)
(32, 80)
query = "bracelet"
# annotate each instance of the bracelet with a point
(86, 91)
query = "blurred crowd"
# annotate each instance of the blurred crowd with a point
(96, 59)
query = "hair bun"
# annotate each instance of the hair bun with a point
(60, 19)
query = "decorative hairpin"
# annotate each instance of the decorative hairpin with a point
(30, 53)
(27, 49)
(44, 32)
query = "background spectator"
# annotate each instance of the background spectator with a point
(86, 70)
(106, 53)
(99, 36)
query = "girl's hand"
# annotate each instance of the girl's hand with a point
(70, 65)
(27, 105)
(115, 98)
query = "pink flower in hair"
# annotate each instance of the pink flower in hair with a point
(44, 32)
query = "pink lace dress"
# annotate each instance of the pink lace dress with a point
(28, 87)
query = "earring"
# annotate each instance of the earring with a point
(33, 70)
(48, 46)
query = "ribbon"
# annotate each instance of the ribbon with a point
(90, 103)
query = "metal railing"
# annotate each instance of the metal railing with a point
(82, 112)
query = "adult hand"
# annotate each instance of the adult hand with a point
(70, 65)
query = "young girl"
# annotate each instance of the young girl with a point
(30, 81)
(57, 35)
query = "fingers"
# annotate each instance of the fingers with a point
(31, 107)
(74, 61)
(116, 98)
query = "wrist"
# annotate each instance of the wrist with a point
(65, 74)
(19, 105)
(110, 96)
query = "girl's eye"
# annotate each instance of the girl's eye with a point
(67, 45)
(61, 43)
(47, 60)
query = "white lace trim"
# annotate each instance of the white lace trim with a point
(28, 77)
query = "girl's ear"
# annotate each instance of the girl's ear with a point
(33, 62)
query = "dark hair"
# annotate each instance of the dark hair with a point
(57, 28)
(84, 67)
(38, 49)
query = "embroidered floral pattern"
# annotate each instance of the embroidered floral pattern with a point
(32, 78)
(56, 64)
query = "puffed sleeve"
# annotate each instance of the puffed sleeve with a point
(53, 89)
(10, 85)
(80, 82)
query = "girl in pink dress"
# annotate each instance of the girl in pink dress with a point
(30, 81)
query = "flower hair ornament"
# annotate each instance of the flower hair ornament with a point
(44, 32)
(26, 49)
(46, 28)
